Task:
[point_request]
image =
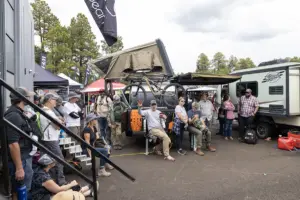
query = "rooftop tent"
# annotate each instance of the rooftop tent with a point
(204, 79)
(71, 81)
(43, 78)
(123, 65)
(99, 85)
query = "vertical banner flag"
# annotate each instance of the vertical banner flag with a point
(43, 60)
(87, 74)
(103, 12)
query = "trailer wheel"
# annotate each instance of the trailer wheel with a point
(263, 130)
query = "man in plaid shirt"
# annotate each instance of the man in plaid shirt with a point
(247, 108)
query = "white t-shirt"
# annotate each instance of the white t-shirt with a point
(206, 108)
(103, 104)
(50, 132)
(152, 117)
(71, 107)
(181, 110)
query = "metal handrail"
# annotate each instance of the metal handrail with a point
(93, 150)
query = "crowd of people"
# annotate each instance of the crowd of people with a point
(44, 177)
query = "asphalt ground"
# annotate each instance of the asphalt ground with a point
(236, 171)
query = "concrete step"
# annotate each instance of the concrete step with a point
(75, 149)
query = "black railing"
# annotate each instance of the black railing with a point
(4, 145)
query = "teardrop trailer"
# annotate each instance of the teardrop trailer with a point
(148, 74)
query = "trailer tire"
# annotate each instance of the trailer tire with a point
(263, 130)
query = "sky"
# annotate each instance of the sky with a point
(259, 29)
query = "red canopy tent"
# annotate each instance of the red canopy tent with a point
(99, 85)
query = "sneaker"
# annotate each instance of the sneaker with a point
(108, 166)
(103, 173)
(199, 152)
(181, 152)
(170, 158)
(231, 138)
(226, 138)
(209, 148)
(157, 152)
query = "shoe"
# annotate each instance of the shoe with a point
(108, 166)
(103, 173)
(157, 152)
(231, 138)
(226, 138)
(120, 147)
(181, 152)
(199, 152)
(116, 147)
(211, 149)
(169, 158)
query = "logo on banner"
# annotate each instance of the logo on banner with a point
(272, 77)
(43, 61)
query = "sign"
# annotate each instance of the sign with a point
(103, 12)
(43, 60)
(272, 77)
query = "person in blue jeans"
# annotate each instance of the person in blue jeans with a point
(229, 108)
(90, 135)
(19, 148)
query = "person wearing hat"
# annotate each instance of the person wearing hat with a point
(90, 135)
(155, 127)
(198, 128)
(59, 109)
(73, 113)
(247, 108)
(43, 186)
(19, 160)
(51, 133)
(207, 109)
(114, 119)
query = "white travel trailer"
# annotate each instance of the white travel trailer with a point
(277, 88)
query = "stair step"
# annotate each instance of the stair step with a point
(66, 140)
(79, 155)
(88, 163)
(85, 159)
(75, 149)
(69, 145)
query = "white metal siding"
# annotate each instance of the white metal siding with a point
(294, 91)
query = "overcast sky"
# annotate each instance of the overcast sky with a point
(259, 29)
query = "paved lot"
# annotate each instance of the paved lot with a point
(235, 172)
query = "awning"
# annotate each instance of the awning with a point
(204, 79)
(99, 85)
(71, 81)
(44, 78)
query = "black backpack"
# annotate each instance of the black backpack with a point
(250, 136)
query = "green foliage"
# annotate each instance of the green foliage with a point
(37, 54)
(246, 63)
(233, 63)
(202, 63)
(295, 59)
(44, 20)
(82, 43)
(219, 62)
(118, 46)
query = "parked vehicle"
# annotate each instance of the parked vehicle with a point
(277, 87)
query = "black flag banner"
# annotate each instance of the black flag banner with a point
(103, 12)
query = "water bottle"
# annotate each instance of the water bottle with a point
(61, 135)
(22, 191)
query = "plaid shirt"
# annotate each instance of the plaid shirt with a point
(176, 126)
(248, 105)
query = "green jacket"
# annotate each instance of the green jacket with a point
(111, 115)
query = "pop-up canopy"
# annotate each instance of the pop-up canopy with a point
(99, 85)
(71, 81)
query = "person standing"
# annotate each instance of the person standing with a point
(229, 108)
(206, 108)
(180, 123)
(154, 120)
(103, 103)
(248, 106)
(73, 113)
(114, 119)
(51, 133)
(19, 160)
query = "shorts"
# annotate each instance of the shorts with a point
(27, 166)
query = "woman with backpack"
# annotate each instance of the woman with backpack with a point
(229, 116)
(114, 119)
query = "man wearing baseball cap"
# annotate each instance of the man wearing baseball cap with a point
(19, 160)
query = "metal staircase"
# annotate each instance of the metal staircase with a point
(73, 148)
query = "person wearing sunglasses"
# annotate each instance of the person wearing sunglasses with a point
(247, 108)
(154, 119)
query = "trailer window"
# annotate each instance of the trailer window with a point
(276, 90)
(242, 86)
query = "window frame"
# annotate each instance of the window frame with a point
(246, 83)
(275, 87)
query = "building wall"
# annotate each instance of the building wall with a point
(16, 44)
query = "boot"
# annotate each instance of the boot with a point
(108, 166)
(199, 152)
(102, 172)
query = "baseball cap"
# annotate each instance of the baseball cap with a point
(48, 97)
(23, 91)
(46, 160)
(90, 117)
(116, 97)
(152, 102)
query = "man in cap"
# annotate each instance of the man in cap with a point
(247, 108)
(19, 160)
(114, 119)
(73, 113)
(155, 127)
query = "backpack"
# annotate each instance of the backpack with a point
(250, 136)
(38, 122)
(118, 110)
